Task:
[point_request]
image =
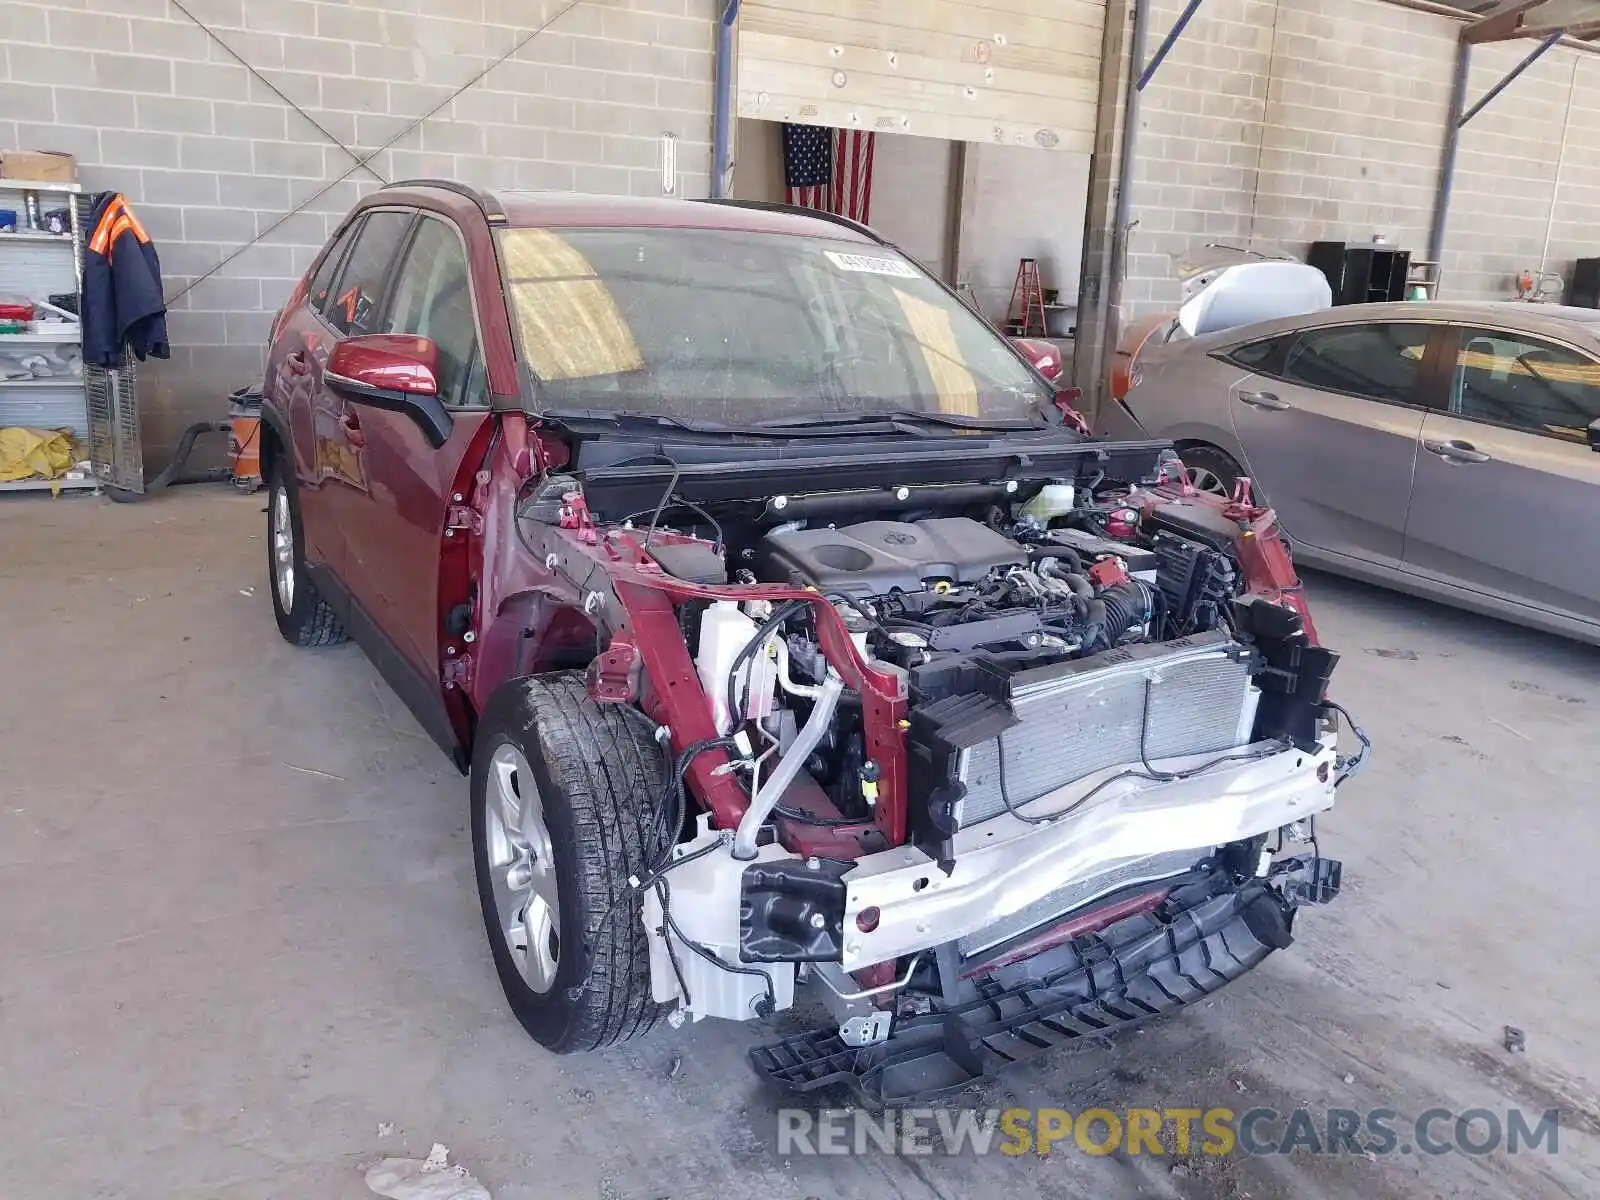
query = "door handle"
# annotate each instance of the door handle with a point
(298, 362)
(351, 425)
(1266, 400)
(1454, 451)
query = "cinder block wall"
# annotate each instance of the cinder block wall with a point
(1289, 121)
(1528, 172)
(243, 130)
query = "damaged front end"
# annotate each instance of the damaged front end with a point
(990, 754)
(1139, 833)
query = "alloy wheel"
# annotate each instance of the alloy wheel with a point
(1203, 480)
(522, 868)
(283, 549)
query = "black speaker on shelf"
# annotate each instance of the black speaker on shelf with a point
(1584, 290)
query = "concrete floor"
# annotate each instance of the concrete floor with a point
(239, 929)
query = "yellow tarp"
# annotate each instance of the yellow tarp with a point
(570, 324)
(930, 325)
(30, 453)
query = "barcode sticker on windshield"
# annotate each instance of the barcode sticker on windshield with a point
(866, 264)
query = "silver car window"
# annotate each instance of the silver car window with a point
(1378, 361)
(1265, 357)
(1524, 383)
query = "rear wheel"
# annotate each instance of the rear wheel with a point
(304, 617)
(1210, 470)
(564, 810)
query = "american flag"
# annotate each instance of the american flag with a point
(829, 169)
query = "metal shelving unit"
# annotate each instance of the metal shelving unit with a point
(36, 264)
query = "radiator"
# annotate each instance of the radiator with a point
(1093, 716)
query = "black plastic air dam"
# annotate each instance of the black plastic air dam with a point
(1137, 968)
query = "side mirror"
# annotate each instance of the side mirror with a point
(1042, 356)
(393, 371)
(1594, 435)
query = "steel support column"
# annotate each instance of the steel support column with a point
(1452, 142)
(722, 112)
(1128, 157)
(1460, 114)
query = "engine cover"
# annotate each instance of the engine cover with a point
(877, 557)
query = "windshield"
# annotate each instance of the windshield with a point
(709, 325)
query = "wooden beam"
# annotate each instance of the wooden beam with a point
(1500, 23)
(1581, 30)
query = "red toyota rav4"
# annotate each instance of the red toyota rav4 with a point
(792, 632)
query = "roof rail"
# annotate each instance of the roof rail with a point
(797, 210)
(484, 200)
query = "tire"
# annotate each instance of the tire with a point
(596, 777)
(304, 617)
(1209, 465)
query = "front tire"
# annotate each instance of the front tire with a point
(564, 810)
(304, 617)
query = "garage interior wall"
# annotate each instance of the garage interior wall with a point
(1289, 121)
(238, 134)
(1022, 204)
(1016, 202)
(911, 186)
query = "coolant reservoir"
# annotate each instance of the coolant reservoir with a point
(724, 632)
(1054, 500)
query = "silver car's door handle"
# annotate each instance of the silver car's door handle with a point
(1267, 400)
(1459, 452)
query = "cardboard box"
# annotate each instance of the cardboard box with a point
(38, 166)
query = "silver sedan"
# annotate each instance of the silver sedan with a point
(1447, 450)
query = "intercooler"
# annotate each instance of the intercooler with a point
(1142, 702)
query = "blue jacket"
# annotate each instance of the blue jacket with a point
(122, 303)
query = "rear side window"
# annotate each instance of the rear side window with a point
(1514, 380)
(355, 298)
(1265, 357)
(322, 282)
(1379, 361)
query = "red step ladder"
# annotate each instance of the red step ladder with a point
(1025, 313)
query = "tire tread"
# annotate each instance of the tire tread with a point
(610, 774)
(311, 622)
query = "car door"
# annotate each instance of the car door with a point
(351, 307)
(1508, 486)
(1329, 426)
(293, 374)
(397, 521)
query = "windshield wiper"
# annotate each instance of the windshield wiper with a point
(901, 421)
(623, 416)
(799, 428)
(898, 417)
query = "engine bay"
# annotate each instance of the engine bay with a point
(973, 614)
(914, 590)
(900, 622)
